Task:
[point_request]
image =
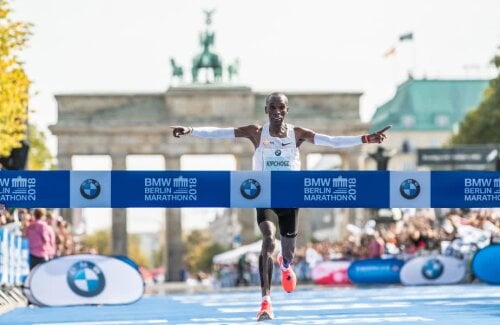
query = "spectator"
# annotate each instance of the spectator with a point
(38, 235)
(24, 217)
(52, 236)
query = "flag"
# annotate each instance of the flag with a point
(390, 52)
(406, 37)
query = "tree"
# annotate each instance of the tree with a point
(200, 250)
(99, 240)
(39, 157)
(134, 251)
(14, 83)
(480, 126)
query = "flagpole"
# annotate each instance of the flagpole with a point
(407, 37)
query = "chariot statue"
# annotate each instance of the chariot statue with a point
(207, 59)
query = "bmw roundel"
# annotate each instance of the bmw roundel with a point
(86, 279)
(432, 269)
(277, 152)
(409, 189)
(250, 189)
(90, 189)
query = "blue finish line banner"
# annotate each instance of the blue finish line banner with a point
(249, 189)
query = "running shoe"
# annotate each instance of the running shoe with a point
(288, 278)
(266, 311)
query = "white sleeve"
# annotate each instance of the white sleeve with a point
(337, 142)
(213, 132)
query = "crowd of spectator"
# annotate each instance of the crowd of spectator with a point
(49, 236)
(416, 232)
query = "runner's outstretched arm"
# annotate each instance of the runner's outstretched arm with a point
(306, 135)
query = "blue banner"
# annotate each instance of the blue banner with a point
(34, 189)
(170, 189)
(319, 189)
(250, 189)
(465, 189)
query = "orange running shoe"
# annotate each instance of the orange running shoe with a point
(266, 311)
(288, 278)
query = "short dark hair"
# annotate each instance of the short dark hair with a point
(276, 94)
(39, 213)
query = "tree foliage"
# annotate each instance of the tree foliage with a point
(14, 83)
(134, 251)
(39, 156)
(481, 125)
(200, 250)
(101, 242)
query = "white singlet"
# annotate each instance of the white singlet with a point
(277, 153)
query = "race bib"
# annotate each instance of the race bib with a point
(277, 159)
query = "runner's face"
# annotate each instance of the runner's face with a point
(276, 109)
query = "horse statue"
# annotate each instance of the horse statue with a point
(233, 69)
(207, 59)
(177, 71)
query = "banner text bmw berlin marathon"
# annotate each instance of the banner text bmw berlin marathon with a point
(245, 189)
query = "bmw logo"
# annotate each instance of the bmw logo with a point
(277, 153)
(86, 279)
(432, 269)
(250, 189)
(409, 189)
(90, 189)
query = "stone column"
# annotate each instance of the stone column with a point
(64, 163)
(246, 217)
(119, 216)
(174, 248)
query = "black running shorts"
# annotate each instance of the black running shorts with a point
(287, 219)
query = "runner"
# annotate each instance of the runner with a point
(276, 146)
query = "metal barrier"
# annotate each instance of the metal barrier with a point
(14, 256)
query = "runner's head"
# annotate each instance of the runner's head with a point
(276, 108)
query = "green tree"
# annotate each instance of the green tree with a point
(481, 125)
(157, 256)
(39, 156)
(100, 240)
(14, 83)
(200, 250)
(134, 251)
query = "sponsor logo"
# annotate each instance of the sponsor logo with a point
(90, 189)
(409, 189)
(432, 269)
(86, 279)
(277, 153)
(250, 189)
(286, 144)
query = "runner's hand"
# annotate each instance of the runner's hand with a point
(179, 130)
(377, 137)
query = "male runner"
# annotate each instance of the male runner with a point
(267, 139)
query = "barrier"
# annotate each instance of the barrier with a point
(84, 280)
(14, 256)
(245, 189)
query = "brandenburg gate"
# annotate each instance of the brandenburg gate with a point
(138, 124)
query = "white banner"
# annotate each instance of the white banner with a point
(84, 279)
